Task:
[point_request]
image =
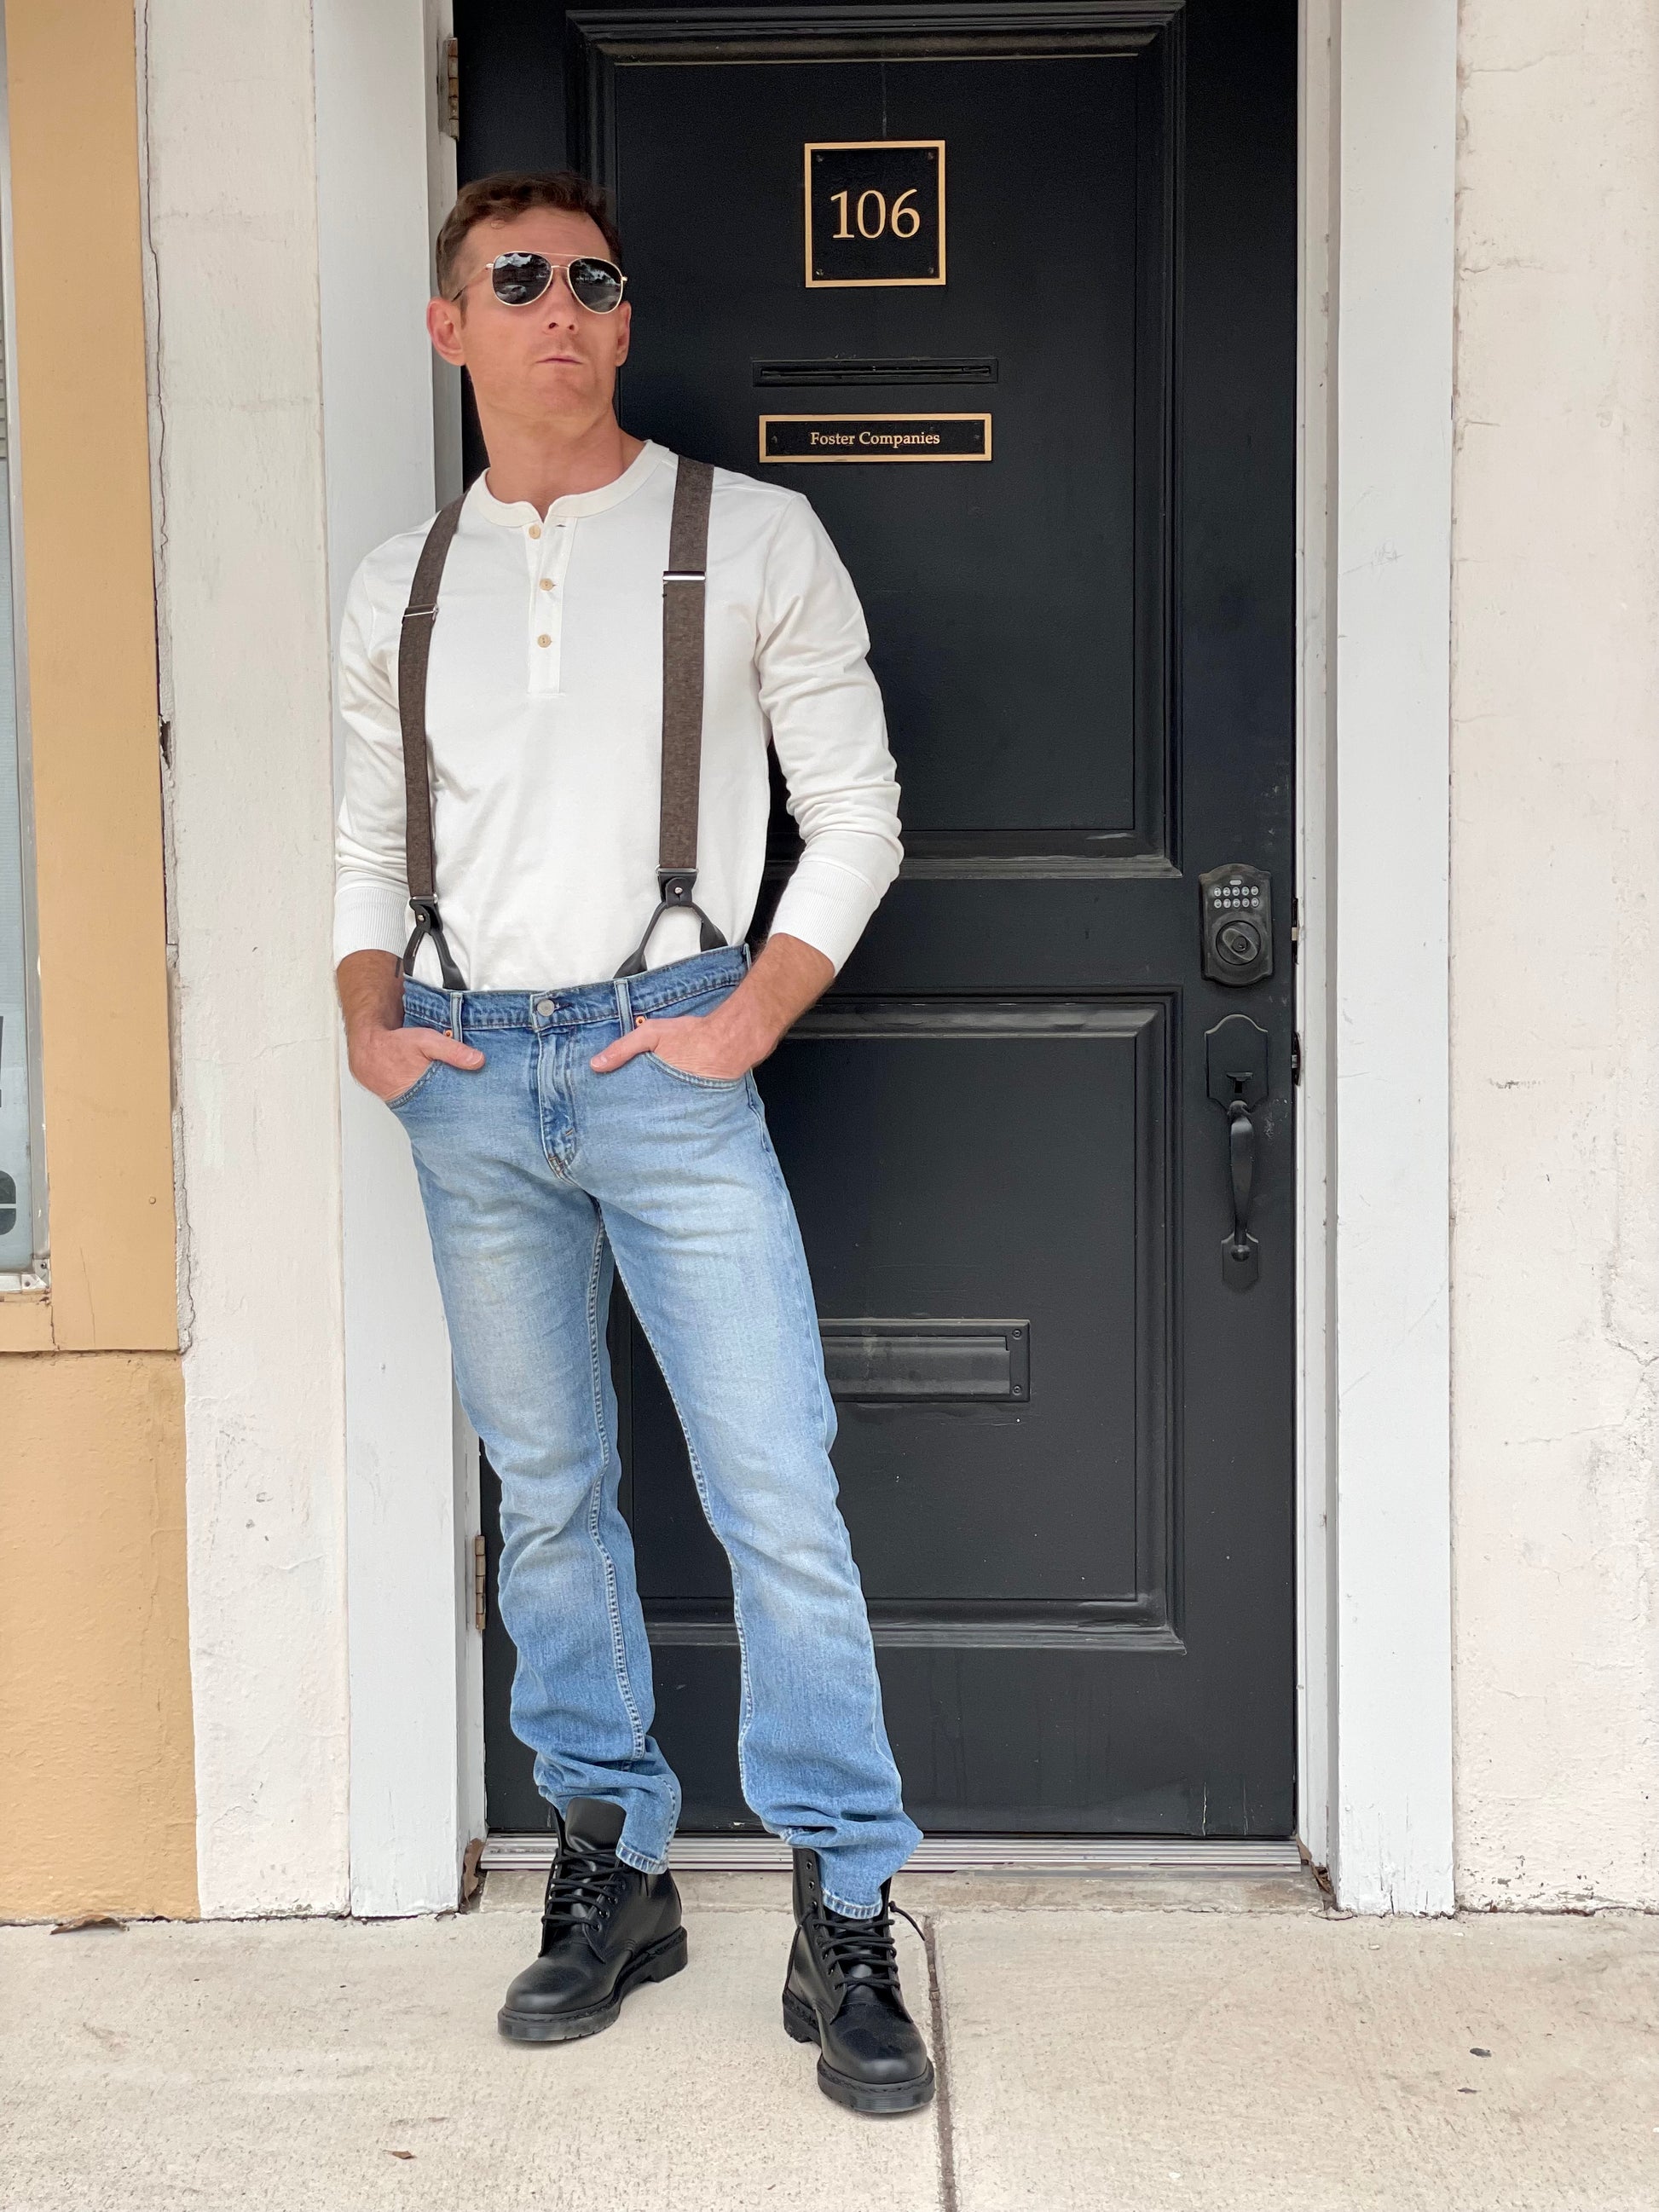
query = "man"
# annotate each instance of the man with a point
(570, 1047)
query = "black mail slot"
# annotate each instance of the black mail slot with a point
(910, 368)
(911, 1358)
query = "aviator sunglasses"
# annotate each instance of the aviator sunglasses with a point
(519, 279)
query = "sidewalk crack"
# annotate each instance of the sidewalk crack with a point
(946, 2135)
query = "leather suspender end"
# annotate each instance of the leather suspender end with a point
(430, 923)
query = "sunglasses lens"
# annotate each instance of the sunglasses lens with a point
(597, 284)
(519, 278)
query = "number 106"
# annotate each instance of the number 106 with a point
(903, 221)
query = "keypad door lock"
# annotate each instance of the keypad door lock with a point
(1238, 923)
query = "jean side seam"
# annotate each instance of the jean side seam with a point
(618, 1646)
(747, 1713)
(806, 1313)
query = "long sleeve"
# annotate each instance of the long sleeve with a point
(831, 737)
(371, 888)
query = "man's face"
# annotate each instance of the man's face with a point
(552, 360)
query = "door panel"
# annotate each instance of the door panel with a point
(954, 1502)
(968, 590)
(1066, 1448)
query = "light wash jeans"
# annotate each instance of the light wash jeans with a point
(535, 1173)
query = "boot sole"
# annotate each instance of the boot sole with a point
(656, 1965)
(800, 2024)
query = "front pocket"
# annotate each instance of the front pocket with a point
(414, 1088)
(693, 1082)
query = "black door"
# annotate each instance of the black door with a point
(1066, 1444)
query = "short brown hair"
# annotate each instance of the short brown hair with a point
(515, 192)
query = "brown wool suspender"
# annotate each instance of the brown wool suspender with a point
(682, 708)
(414, 651)
(683, 598)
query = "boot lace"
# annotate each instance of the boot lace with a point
(579, 1885)
(864, 1950)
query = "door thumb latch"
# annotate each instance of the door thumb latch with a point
(1236, 1065)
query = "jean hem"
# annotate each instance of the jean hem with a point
(847, 1910)
(640, 1862)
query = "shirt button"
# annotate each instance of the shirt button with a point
(543, 639)
(535, 529)
(547, 583)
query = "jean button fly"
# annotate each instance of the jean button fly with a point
(543, 1005)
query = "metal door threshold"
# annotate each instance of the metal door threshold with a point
(957, 1855)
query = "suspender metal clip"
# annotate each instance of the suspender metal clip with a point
(674, 890)
(430, 923)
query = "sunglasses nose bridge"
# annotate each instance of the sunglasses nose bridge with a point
(562, 294)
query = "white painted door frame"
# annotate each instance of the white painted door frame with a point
(385, 178)
(1379, 115)
(1378, 109)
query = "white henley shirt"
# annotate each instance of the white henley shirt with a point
(545, 718)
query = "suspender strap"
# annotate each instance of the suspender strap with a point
(414, 651)
(683, 598)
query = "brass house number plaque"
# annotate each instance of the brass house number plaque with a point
(875, 212)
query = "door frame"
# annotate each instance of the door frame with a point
(1377, 115)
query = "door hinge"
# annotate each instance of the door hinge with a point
(449, 87)
(480, 1562)
(1296, 1055)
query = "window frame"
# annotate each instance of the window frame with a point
(36, 1274)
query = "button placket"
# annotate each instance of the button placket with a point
(548, 547)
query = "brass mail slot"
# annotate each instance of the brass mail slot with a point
(796, 439)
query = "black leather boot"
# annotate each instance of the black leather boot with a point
(605, 1928)
(842, 1993)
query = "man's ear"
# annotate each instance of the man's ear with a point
(445, 326)
(626, 312)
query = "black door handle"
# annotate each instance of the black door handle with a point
(1236, 1058)
(1241, 1159)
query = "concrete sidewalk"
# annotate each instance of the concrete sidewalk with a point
(1106, 2044)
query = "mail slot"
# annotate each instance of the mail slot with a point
(907, 1358)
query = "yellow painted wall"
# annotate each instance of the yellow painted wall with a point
(94, 1650)
(98, 1794)
(83, 449)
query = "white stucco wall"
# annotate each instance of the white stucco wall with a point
(241, 520)
(1555, 963)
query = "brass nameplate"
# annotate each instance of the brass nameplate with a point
(800, 438)
(875, 212)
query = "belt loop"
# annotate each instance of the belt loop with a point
(624, 1005)
(455, 999)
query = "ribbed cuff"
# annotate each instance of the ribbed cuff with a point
(826, 906)
(370, 917)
